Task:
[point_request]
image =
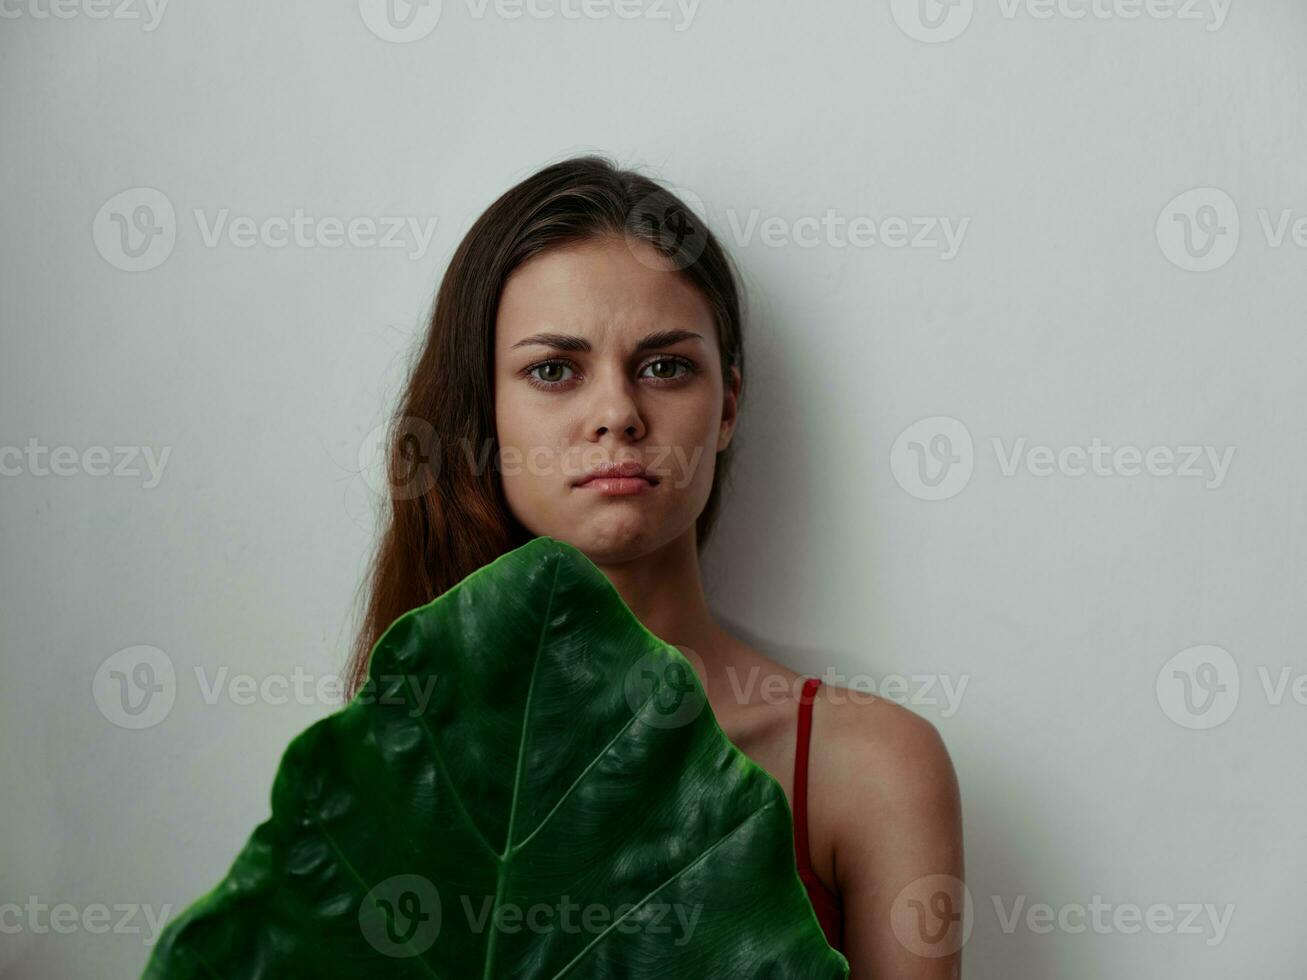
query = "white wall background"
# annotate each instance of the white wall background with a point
(1073, 310)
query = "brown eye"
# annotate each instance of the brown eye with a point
(550, 382)
(665, 368)
(668, 366)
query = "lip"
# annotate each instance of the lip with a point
(606, 471)
(617, 486)
(618, 479)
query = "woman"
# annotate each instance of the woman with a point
(587, 339)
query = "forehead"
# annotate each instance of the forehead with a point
(599, 290)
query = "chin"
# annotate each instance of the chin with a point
(606, 546)
(613, 540)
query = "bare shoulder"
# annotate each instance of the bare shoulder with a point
(895, 822)
(891, 780)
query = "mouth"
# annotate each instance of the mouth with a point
(618, 478)
(617, 486)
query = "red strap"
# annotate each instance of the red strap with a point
(801, 774)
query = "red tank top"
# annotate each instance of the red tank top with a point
(826, 905)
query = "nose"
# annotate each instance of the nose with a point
(615, 410)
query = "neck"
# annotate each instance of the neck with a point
(665, 592)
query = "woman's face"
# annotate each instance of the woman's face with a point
(602, 389)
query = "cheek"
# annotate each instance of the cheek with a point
(528, 442)
(515, 422)
(690, 449)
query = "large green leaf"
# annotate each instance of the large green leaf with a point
(529, 785)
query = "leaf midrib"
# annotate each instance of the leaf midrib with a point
(632, 910)
(502, 865)
(504, 860)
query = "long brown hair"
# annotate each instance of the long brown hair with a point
(445, 514)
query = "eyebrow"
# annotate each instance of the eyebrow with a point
(562, 342)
